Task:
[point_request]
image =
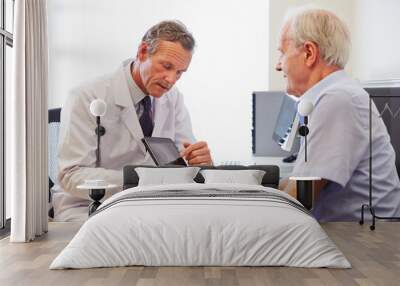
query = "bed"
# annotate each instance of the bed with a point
(201, 224)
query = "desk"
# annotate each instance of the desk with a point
(285, 168)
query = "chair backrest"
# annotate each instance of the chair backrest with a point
(53, 132)
(387, 101)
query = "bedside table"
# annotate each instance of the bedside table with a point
(97, 190)
(304, 186)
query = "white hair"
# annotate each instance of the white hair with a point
(323, 28)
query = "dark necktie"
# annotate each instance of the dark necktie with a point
(146, 120)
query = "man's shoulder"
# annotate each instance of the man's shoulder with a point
(347, 89)
(347, 101)
(96, 84)
(345, 94)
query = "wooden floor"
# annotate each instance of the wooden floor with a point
(374, 255)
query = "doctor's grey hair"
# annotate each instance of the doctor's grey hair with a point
(323, 28)
(172, 31)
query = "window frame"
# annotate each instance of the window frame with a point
(6, 39)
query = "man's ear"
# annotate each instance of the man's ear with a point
(311, 50)
(142, 53)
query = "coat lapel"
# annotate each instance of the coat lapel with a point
(122, 98)
(131, 121)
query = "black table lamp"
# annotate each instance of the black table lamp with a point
(304, 185)
(98, 108)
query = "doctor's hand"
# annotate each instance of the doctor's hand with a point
(197, 153)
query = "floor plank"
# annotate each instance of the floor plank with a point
(374, 255)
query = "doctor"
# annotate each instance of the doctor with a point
(141, 101)
(314, 47)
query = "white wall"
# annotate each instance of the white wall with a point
(343, 8)
(236, 52)
(374, 27)
(91, 37)
(377, 40)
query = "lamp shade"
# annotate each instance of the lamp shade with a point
(305, 107)
(98, 107)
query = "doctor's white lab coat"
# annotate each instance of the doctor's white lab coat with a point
(121, 145)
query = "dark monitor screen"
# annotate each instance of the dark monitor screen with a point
(284, 123)
(265, 113)
(387, 101)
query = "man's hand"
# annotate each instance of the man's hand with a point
(288, 187)
(197, 153)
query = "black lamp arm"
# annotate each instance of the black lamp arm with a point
(100, 131)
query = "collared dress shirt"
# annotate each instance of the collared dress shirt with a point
(338, 151)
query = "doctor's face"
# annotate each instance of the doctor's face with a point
(161, 70)
(292, 63)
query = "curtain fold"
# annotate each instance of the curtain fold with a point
(27, 121)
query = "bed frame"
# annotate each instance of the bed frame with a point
(270, 179)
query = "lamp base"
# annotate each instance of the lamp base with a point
(96, 195)
(305, 190)
(305, 193)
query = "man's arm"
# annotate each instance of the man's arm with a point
(335, 143)
(70, 179)
(289, 187)
(76, 150)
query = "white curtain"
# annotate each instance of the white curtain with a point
(26, 120)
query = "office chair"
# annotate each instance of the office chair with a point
(53, 132)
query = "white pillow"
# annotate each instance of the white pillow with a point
(165, 176)
(248, 177)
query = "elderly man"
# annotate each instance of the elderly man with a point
(314, 47)
(141, 101)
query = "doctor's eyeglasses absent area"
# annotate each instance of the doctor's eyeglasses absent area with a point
(6, 44)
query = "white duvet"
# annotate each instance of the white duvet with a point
(183, 231)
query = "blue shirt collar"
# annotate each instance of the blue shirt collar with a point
(315, 92)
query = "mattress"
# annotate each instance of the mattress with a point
(201, 225)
